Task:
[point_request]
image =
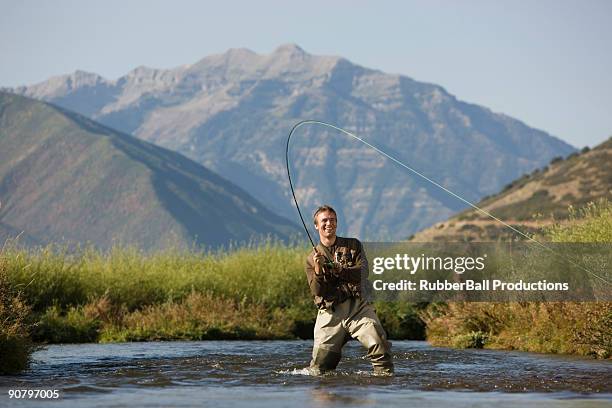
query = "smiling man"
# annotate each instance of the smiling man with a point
(337, 274)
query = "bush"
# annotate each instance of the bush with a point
(556, 159)
(16, 347)
(475, 339)
(401, 320)
(549, 327)
(73, 326)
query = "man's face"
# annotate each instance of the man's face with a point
(326, 224)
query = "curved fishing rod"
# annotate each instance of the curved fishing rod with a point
(474, 206)
(297, 125)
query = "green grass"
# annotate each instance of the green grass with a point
(550, 327)
(267, 274)
(16, 346)
(591, 223)
(254, 292)
(257, 292)
(80, 296)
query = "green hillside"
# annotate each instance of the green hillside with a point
(535, 200)
(65, 178)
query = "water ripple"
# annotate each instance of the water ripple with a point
(254, 368)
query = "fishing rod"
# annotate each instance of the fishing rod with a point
(314, 247)
(474, 206)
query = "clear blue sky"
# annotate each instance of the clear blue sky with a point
(547, 63)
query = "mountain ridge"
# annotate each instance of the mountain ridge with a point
(66, 178)
(534, 201)
(231, 112)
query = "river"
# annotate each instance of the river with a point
(271, 374)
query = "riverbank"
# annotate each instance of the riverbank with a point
(255, 292)
(51, 295)
(544, 327)
(16, 346)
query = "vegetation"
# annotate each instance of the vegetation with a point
(16, 346)
(257, 292)
(552, 327)
(591, 223)
(68, 179)
(534, 200)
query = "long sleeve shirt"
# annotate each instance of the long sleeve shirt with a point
(348, 277)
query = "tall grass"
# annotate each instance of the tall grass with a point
(126, 294)
(253, 292)
(269, 274)
(257, 292)
(583, 328)
(16, 346)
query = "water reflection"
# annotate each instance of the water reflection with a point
(322, 397)
(246, 373)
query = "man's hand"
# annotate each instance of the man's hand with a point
(334, 268)
(319, 260)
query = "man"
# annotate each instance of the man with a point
(337, 274)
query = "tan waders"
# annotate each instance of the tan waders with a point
(353, 318)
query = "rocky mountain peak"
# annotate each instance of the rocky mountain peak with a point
(141, 71)
(240, 52)
(231, 111)
(83, 78)
(290, 49)
(61, 84)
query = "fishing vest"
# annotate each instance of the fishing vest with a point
(329, 290)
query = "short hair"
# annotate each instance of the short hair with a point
(321, 209)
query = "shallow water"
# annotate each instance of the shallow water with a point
(272, 374)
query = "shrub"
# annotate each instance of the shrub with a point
(474, 339)
(551, 327)
(16, 347)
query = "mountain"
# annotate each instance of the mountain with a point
(535, 200)
(66, 178)
(232, 113)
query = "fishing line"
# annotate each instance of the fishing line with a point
(474, 206)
